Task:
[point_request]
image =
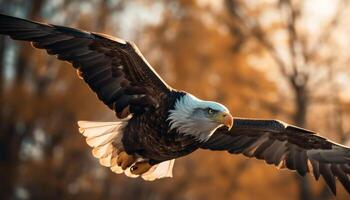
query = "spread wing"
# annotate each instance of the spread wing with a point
(113, 68)
(285, 146)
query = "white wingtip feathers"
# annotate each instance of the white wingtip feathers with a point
(105, 139)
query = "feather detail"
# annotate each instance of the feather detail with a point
(106, 161)
(161, 170)
(116, 169)
(105, 138)
(101, 151)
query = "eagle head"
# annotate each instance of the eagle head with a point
(192, 116)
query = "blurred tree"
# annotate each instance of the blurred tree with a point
(297, 52)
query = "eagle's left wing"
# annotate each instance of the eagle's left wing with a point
(285, 146)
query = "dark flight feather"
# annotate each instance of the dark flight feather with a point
(110, 66)
(285, 146)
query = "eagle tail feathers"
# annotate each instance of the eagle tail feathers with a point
(161, 170)
(105, 139)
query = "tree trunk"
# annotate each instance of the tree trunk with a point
(10, 137)
(299, 118)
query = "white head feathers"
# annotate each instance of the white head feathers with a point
(189, 122)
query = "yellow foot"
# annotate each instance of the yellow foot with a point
(140, 168)
(125, 160)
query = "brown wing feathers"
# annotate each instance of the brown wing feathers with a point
(111, 67)
(286, 147)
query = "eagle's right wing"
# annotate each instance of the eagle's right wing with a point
(113, 68)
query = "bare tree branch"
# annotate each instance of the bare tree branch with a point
(327, 31)
(252, 28)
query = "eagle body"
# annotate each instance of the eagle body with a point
(150, 136)
(155, 123)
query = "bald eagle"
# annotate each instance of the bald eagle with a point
(156, 124)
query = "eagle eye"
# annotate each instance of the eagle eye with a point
(211, 111)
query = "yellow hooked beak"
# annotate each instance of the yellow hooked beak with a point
(225, 119)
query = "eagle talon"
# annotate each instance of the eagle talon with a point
(133, 168)
(80, 74)
(125, 160)
(140, 168)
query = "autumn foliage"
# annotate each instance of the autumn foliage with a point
(230, 51)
